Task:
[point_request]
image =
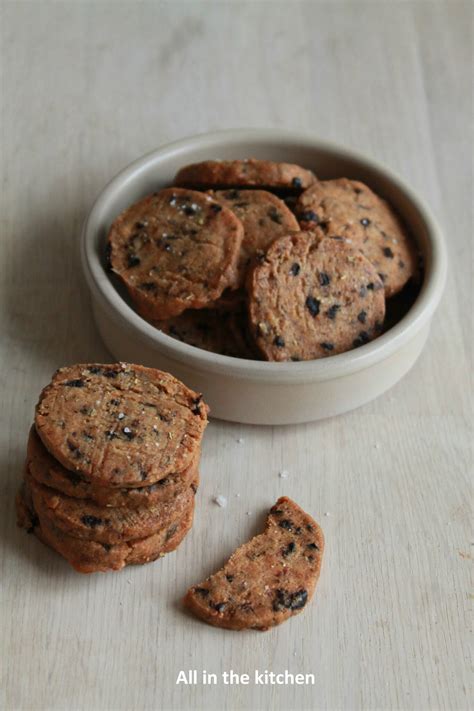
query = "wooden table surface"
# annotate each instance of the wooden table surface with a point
(86, 88)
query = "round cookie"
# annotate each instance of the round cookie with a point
(175, 250)
(268, 579)
(91, 556)
(264, 218)
(349, 209)
(214, 330)
(221, 174)
(81, 518)
(46, 470)
(120, 425)
(311, 298)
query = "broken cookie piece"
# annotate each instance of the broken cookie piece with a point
(268, 579)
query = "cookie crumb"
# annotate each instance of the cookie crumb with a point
(220, 500)
(327, 513)
(284, 474)
(240, 440)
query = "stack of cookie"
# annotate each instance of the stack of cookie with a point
(112, 465)
(258, 259)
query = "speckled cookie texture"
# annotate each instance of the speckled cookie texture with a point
(349, 209)
(313, 297)
(215, 330)
(120, 425)
(264, 218)
(87, 556)
(175, 250)
(48, 471)
(81, 518)
(267, 580)
(245, 173)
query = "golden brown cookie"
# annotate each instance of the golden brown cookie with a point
(46, 470)
(311, 298)
(349, 209)
(81, 518)
(214, 330)
(91, 556)
(120, 425)
(268, 579)
(220, 174)
(175, 250)
(264, 218)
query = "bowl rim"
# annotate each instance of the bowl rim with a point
(336, 366)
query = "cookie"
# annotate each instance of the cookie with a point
(175, 250)
(46, 470)
(120, 425)
(349, 209)
(311, 298)
(221, 174)
(264, 218)
(81, 518)
(268, 579)
(90, 556)
(214, 330)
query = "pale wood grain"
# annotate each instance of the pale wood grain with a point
(89, 86)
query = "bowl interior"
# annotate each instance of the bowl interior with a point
(157, 169)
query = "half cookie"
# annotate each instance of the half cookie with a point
(245, 173)
(175, 250)
(312, 297)
(267, 580)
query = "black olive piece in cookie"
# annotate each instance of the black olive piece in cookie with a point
(349, 210)
(268, 579)
(120, 425)
(312, 298)
(175, 250)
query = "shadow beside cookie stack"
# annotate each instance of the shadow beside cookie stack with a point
(112, 465)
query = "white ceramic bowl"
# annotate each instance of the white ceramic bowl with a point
(253, 391)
